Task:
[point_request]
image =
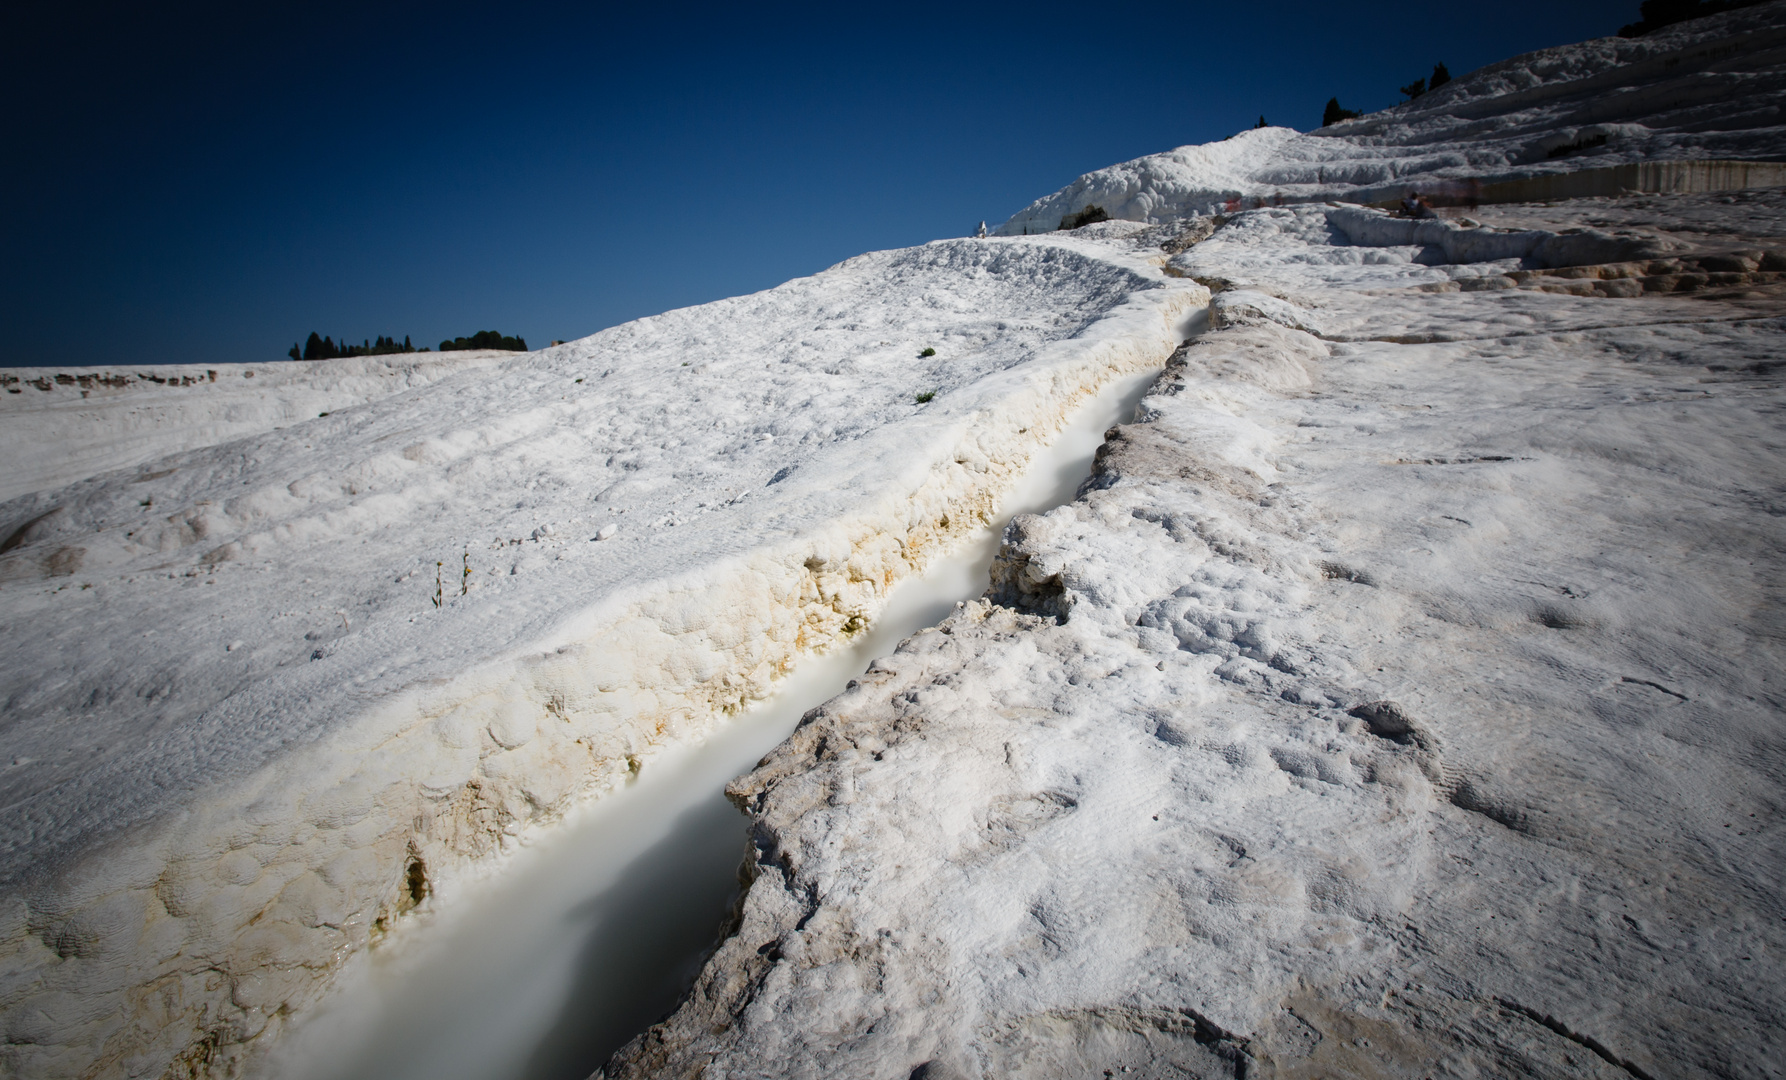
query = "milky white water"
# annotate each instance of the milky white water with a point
(594, 932)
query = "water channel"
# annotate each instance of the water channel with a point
(595, 931)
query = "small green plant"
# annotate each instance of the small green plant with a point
(465, 582)
(924, 398)
(928, 351)
(1088, 216)
(438, 567)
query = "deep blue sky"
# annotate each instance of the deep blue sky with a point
(209, 183)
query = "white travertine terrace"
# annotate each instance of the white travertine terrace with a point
(243, 741)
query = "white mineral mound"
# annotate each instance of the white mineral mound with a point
(1709, 89)
(1400, 699)
(245, 730)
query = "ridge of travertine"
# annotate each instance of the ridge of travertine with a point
(1705, 89)
(209, 809)
(1401, 697)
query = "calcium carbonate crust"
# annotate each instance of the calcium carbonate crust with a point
(1400, 698)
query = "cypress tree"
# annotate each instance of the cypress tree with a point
(1335, 114)
(1440, 77)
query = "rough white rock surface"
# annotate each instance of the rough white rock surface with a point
(1703, 89)
(62, 424)
(1402, 697)
(240, 739)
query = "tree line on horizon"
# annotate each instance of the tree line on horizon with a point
(485, 339)
(326, 348)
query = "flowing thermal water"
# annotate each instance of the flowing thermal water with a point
(594, 932)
